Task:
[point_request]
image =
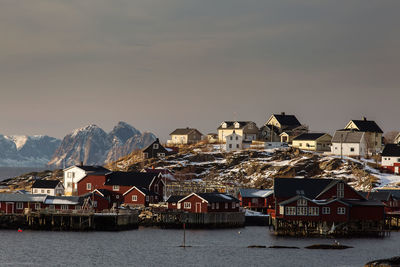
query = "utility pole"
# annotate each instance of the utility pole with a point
(341, 146)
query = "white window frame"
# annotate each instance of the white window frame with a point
(341, 210)
(340, 190)
(326, 210)
(217, 206)
(64, 207)
(52, 207)
(134, 198)
(155, 146)
(226, 205)
(88, 186)
(301, 202)
(187, 205)
(37, 206)
(302, 211)
(19, 205)
(115, 188)
(233, 205)
(290, 211)
(313, 211)
(212, 206)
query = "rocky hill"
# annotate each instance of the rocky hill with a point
(93, 146)
(27, 151)
(256, 168)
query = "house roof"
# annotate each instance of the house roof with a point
(309, 136)
(160, 149)
(184, 131)
(254, 192)
(231, 124)
(213, 197)
(367, 126)
(363, 202)
(138, 179)
(381, 196)
(174, 199)
(22, 197)
(63, 200)
(45, 183)
(394, 192)
(287, 120)
(346, 136)
(391, 150)
(309, 187)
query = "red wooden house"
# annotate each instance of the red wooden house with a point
(256, 199)
(120, 184)
(326, 201)
(205, 202)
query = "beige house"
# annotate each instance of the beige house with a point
(373, 133)
(282, 128)
(185, 136)
(319, 142)
(247, 129)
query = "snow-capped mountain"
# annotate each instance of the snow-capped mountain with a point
(92, 145)
(27, 151)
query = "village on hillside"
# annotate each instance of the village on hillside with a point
(283, 174)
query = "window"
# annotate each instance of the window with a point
(335, 147)
(117, 196)
(341, 210)
(213, 206)
(230, 138)
(147, 198)
(52, 207)
(233, 205)
(226, 206)
(301, 202)
(230, 145)
(95, 204)
(398, 160)
(35, 191)
(48, 191)
(65, 207)
(155, 146)
(254, 200)
(237, 137)
(115, 187)
(145, 155)
(20, 205)
(313, 211)
(187, 205)
(217, 206)
(300, 144)
(77, 207)
(134, 198)
(237, 145)
(69, 185)
(290, 211)
(37, 206)
(326, 210)
(88, 186)
(70, 175)
(42, 191)
(301, 210)
(340, 190)
(352, 149)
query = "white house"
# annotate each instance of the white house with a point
(73, 174)
(247, 129)
(234, 142)
(391, 158)
(349, 143)
(48, 187)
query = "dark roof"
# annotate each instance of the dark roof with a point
(254, 192)
(381, 196)
(363, 202)
(160, 149)
(184, 131)
(138, 179)
(287, 120)
(94, 168)
(231, 124)
(309, 136)
(174, 199)
(391, 150)
(367, 126)
(347, 136)
(45, 183)
(217, 197)
(394, 192)
(310, 188)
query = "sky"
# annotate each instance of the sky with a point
(165, 64)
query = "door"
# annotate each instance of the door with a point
(198, 207)
(9, 208)
(396, 169)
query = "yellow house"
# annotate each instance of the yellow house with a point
(283, 128)
(319, 142)
(373, 133)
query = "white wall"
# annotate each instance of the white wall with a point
(359, 149)
(389, 161)
(233, 142)
(69, 182)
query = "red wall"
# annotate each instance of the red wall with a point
(207, 207)
(141, 199)
(349, 193)
(97, 182)
(367, 213)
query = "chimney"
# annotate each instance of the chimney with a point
(364, 118)
(283, 113)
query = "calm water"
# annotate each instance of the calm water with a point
(156, 247)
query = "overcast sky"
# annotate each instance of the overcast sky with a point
(165, 64)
